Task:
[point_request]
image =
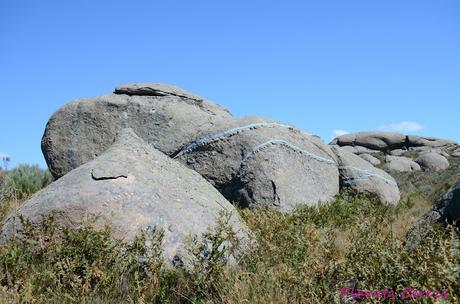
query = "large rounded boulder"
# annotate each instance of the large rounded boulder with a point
(400, 164)
(432, 161)
(164, 116)
(132, 186)
(265, 164)
(361, 177)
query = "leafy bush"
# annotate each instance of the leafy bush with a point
(25, 180)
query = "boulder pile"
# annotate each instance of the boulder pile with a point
(400, 153)
(154, 155)
(252, 161)
(134, 187)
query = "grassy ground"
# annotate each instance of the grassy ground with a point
(304, 257)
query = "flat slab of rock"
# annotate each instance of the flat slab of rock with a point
(266, 164)
(360, 176)
(432, 161)
(400, 164)
(154, 89)
(168, 119)
(371, 159)
(133, 187)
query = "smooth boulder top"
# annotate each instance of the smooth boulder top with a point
(83, 129)
(133, 186)
(371, 159)
(432, 161)
(400, 164)
(361, 177)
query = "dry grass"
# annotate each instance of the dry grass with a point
(303, 257)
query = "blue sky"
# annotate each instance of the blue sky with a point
(325, 66)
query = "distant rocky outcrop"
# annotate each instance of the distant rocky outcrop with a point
(402, 153)
(388, 141)
(133, 186)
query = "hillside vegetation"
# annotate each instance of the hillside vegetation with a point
(307, 256)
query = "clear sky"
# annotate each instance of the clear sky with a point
(325, 66)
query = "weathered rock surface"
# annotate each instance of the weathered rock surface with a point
(445, 211)
(371, 159)
(132, 186)
(360, 176)
(400, 164)
(432, 161)
(261, 164)
(166, 117)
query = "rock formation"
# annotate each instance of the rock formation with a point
(403, 153)
(252, 161)
(133, 186)
(266, 164)
(400, 164)
(361, 177)
(164, 116)
(432, 161)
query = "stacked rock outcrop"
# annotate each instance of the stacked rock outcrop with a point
(133, 187)
(401, 153)
(127, 157)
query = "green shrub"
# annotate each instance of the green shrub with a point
(306, 256)
(80, 265)
(25, 180)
